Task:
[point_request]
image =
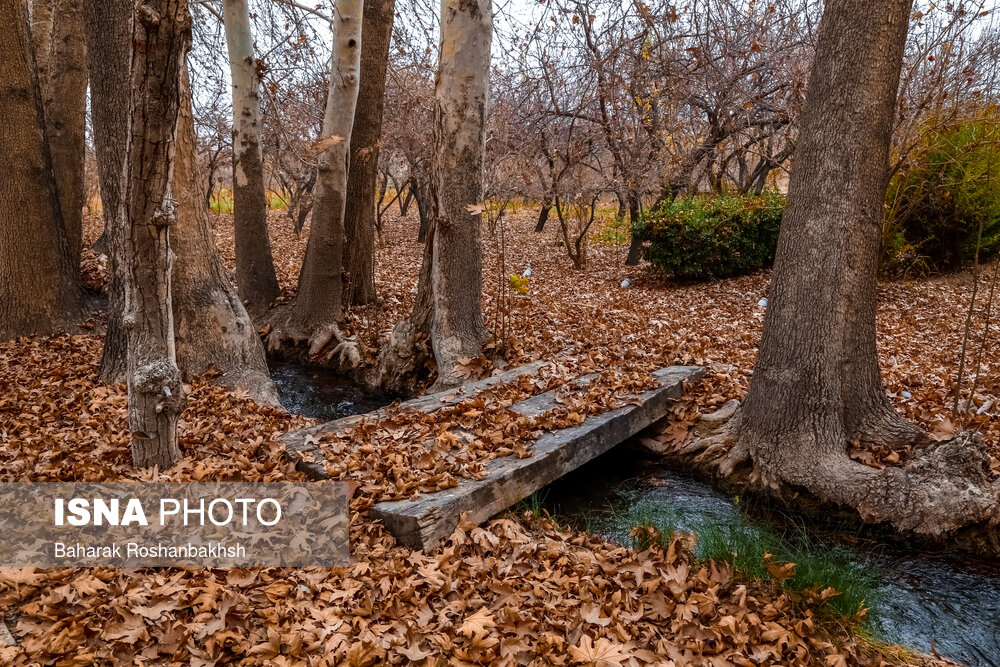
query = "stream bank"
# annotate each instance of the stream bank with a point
(926, 601)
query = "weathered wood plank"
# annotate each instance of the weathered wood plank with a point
(422, 523)
(302, 441)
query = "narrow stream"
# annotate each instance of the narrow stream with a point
(944, 602)
(320, 393)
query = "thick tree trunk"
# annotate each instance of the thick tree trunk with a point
(319, 302)
(359, 217)
(213, 329)
(65, 115)
(160, 38)
(816, 385)
(255, 276)
(39, 287)
(109, 37)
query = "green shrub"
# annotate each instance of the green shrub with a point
(707, 237)
(937, 203)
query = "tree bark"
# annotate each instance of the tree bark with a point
(161, 33)
(65, 115)
(543, 216)
(39, 286)
(319, 303)
(359, 217)
(449, 293)
(816, 385)
(109, 36)
(41, 37)
(213, 329)
(255, 276)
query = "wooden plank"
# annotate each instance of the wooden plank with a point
(302, 441)
(422, 523)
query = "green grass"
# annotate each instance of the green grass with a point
(613, 230)
(745, 548)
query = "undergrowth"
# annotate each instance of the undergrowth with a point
(792, 560)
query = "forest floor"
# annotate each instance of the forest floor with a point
(515, 591)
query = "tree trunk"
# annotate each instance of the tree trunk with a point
(422, 196)
(65, 116)
(543, 216)
(41, 37)
(319, 303)
(109, 37)
(255, 277)
(39, 286)
(359, 217)
(161, 32)
(816, 386)
(635, 248)
(213, 329)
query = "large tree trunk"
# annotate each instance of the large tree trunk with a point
(449, 293)
(65, 115)
(255, 277)
(109, 37)
(359, 217)
(160, 38)
(39, 287)
(213, 329)
(319, 302)
(816, 385)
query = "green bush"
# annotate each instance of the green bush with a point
(707, 237)
(937, 203)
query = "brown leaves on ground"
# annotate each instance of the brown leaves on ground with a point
(503, 594)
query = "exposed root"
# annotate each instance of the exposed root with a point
(320, 341)
(403, 360)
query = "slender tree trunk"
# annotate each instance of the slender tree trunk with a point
(213, 329)
(319, 303)
(39, 287)
(421, 194)
(255, 276)
(65, 116)
(456, 276)
(109, 37)
(449, 293)
(41, 37)
(161, 32)
(543, 215)
(359, 217)
(816, 385)
(635, 248)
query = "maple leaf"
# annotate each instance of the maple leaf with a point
(601, 653)
(477, 623)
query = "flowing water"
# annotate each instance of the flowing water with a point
(320, 393)
(941, 602)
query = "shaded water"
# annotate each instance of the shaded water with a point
(944, 602)
(320, 393)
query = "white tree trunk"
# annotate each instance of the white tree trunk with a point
(318, 304)
(255, 277)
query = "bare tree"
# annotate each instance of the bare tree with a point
(318, 305)
(448, 309)
(213, 329)
(39, 287)
(359, 219)
(255, 276)
(160, 39)
(816, 385)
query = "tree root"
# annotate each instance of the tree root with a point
(321, 341)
